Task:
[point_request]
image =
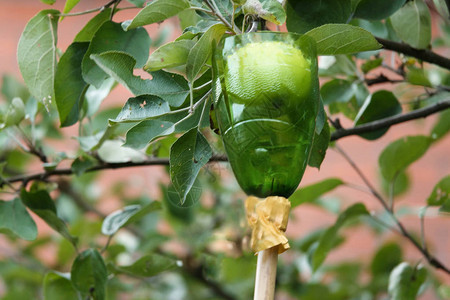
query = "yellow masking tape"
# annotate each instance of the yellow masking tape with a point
(268, 219)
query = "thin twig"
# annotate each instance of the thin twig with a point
(392, 191)
(220, 17)
(357, 187)
(384, 224)
(381, 79)
(430, 258)
(89, 11)
(422, 227)
(154, 161)
(387, 122)
(422, 54)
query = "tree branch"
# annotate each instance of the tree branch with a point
(386, 122)
(402, 230)
(68, 171)
(422, 54)
(381, 79)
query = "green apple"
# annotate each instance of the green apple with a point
(269, 68)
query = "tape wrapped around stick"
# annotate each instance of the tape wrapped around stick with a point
(268, 219)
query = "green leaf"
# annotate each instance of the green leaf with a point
(57, 287)
(15, 219)
(36, 54)
(335, 39)
(145, 132)
(440, 193)
(82, 164)
(70, 4)
(42, 205)
(417, 76)
(401, 186)
(304, 15)
(157, 11)
(369, 65)
(377, 9)
(379, 105)
(327, 240)
(89, 274)
(87, 33)
(49, 2)
(412, 24)
(311, 192)
(94, 96)
(320, 146)
(187, 17)
(336, 90)
(140, 108)
(148, 266)
(377, 28)
(144, 211)
(137, 3)
(115, 220)
(386, 259)
(444, 291)
(321, 117)
(111, 37)
(15, 113)
(350, 108)
(405, 281)
(187, 156)
(442, 126)
(202, 50)
(270, 10)
(397, 156)
(12, 88)
(69, 84)
(445, 208)
(113, 151)
(172, 88)
(170, 55)
(444, 10)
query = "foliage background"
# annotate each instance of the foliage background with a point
(114, 189)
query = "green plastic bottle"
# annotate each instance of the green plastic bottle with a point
(266, 97)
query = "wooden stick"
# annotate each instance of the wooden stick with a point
(266, 273)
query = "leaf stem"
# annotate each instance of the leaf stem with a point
(191, 97)
(201, 115)
(422, 227)
(202, 86)
(218, 14)
(107, 244)
(89, 11)
(392, 191)
(202, 9)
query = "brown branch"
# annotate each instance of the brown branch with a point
(429, 257)
(68, 171)
(386, 122)
(381, 79)
(422, 54)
